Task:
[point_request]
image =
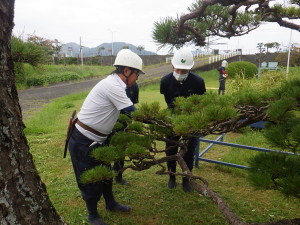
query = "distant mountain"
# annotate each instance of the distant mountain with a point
(73, 49)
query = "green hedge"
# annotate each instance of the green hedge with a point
(242, 69)
(49, 78)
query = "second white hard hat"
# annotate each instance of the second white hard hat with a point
(126, 57)
(224, 63)
(183, 59)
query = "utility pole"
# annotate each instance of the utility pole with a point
(80, 52)
(112, 45)
(289, 55)
(65, 53)
(207, 45)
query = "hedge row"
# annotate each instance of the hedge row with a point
(49, 78)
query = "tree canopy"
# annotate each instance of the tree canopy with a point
(223, 18)
(34, 50)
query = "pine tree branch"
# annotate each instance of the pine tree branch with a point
(258, 10)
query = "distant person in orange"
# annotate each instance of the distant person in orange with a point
(222, 77)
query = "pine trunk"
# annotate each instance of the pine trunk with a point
(23, 196)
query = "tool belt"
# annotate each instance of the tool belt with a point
(90, 129)
(73, 120)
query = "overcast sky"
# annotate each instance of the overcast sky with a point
(130, 21)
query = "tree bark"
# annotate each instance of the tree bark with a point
(23, 196)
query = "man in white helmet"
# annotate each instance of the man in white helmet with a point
(181, 83)
(96, 120)
(222, 76)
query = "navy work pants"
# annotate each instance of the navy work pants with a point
(222, 84)
(188, 157)
(79, 147)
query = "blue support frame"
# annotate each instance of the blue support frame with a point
(219, 141)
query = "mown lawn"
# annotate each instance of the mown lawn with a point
(152, 202)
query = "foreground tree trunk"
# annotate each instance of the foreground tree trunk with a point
(23, 196)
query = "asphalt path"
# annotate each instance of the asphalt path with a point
(31, 100)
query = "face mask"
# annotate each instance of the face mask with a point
(180, 77)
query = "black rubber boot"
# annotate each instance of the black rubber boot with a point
(111, 203)
(119, 179)
(172, 182)
(219, 92)
(93, 216)
(96, 221)
(119, 207)
(186, 185)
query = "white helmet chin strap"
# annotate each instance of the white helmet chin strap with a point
(127, 78)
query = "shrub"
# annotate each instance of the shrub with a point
(19, 72)
(34, 81)
(59, 77)
(50, 78)
(242, 69)
(294, 57)
(27, 52)
(68, 61)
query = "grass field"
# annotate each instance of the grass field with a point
(152, 202)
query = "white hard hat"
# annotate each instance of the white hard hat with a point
(224, 63)
(183, 59)
(126, 57)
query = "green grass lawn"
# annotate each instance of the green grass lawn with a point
(211, 79)
(152, 202)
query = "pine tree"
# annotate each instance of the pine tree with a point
(272, 99)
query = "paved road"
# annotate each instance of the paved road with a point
(34, 98)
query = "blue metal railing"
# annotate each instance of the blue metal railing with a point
(219, 141)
